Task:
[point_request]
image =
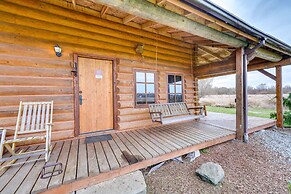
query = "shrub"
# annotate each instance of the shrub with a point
(287, 113)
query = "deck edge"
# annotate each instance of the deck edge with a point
(83, 183)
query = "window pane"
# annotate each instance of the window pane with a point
(151, 77)
(171, 79)
(171, 88)
(178, 88)
(140, 99)
(150, 98)
(150, 88)
(179, 98)
(171, 98)
(140, 77)
(140, 88)
(178, 79)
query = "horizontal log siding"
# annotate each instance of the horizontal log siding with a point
(30, 71)
(131, 117)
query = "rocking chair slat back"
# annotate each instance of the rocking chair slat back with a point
(33, 117)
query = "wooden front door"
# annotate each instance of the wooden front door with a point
(95, 94)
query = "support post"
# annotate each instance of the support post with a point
(245, 97)
(279, 97)
(239, 93)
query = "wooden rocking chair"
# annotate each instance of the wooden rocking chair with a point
(35, 122)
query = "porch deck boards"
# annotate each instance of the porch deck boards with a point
(99, 161)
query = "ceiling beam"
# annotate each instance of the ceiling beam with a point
(266, 73)
(268, 65)
(103, 11)
(164, 29)
(211, 53)
(74, 3)
(128, 18)
(161, 2)
(221, 23)
(148, 24)
(150, 11)
(227, 67)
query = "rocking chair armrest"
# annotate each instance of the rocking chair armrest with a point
(4, 128)
(6, 131)
(50, 124)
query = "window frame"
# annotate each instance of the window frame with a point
(182, 85)
(155, 85)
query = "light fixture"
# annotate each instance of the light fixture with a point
(58, 50)
(139, 48)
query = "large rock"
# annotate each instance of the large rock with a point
(211, 172)
(132, 183)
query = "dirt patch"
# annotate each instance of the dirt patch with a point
(262, 166)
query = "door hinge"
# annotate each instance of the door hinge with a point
(75, 69)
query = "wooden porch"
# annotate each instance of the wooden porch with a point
(88, 164)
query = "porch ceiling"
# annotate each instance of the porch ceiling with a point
(206, 51)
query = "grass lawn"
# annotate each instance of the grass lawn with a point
(255, 112)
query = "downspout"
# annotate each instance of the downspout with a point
(249, 54)
(245, 97)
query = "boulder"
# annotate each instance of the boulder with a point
(211, 172)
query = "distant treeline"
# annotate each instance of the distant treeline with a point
(206, 88)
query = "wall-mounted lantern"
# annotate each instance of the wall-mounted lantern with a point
(139, 48)
(58, 50)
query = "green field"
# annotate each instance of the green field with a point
(255, 112)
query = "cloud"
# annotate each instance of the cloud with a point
(272, 17)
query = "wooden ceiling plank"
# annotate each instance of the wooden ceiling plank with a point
(151, 12)
(210, 52)
(165, 29)
(210, 19)
(148, 24)
(221, 23)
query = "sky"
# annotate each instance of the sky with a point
(271, 16)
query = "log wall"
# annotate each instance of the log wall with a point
(30, 70)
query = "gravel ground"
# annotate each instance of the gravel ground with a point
(261, 166)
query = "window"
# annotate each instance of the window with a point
(175, 88)
(145, 88)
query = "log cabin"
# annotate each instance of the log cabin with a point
(122, 41)
(103, 62)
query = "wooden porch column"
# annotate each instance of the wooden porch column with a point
(239, 93)
(279, 97)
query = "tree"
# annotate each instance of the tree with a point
(204, 87)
